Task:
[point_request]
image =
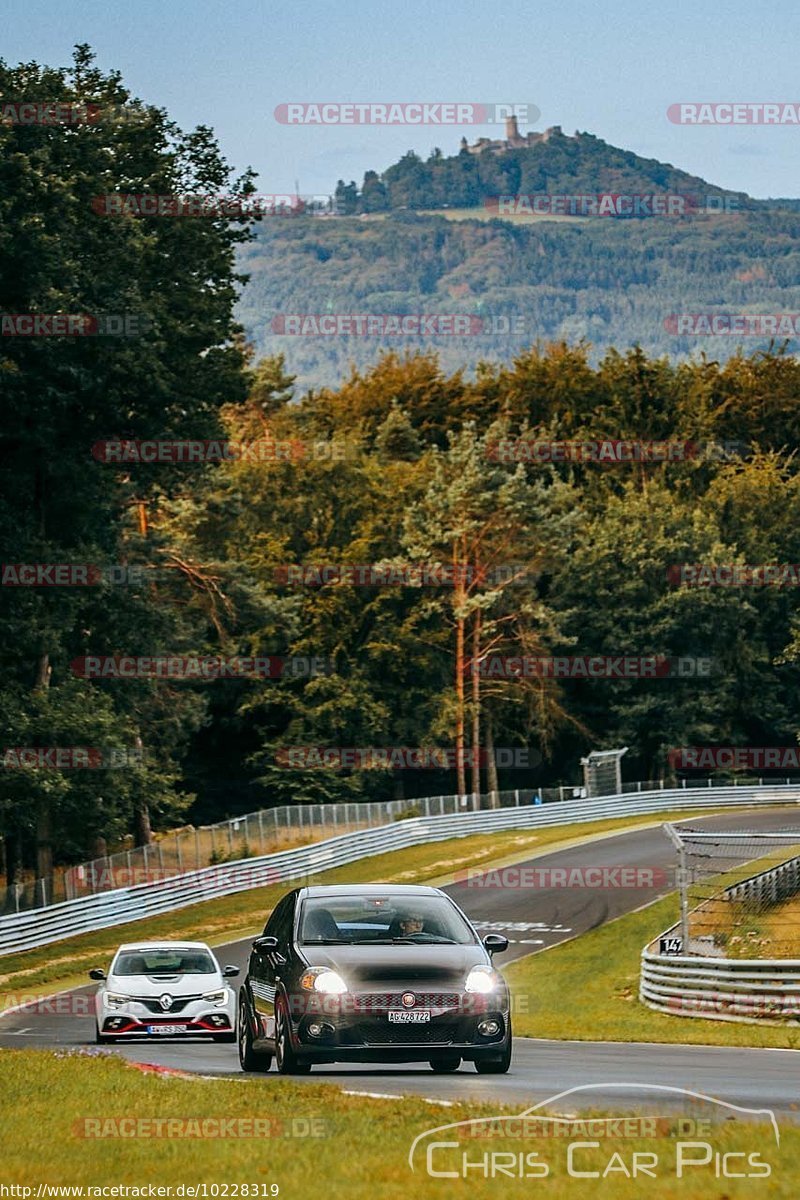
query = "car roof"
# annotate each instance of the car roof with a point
(164, 946)
(369, 889)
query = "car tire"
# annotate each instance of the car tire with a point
(249, 1059)
(286, 1059)
(100, 1038)
(445, 1064)
(224, 1037)
(498, 1064)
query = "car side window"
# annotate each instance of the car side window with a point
(279, 924)
(283, 931)
(273, 920)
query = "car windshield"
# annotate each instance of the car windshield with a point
(332, 920)
(164, 962)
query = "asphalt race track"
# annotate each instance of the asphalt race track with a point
(533, 919)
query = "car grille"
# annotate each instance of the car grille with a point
(376, 1033)
(380, 1001)
(152, 1005)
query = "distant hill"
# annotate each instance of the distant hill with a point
(555, 164)
(612, 282)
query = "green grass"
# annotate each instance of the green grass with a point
(63, 964)
(588, 990)
(359, 1149)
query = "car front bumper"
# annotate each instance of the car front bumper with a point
(359, 1028)
(201, 1022)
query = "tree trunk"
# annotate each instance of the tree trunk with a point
(13, 843)
(458, 584)
(460, 767)
(142, 833)
(491, 763)
(44, 844)
(476, 706)
(44, 822)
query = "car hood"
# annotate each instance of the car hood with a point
(157, 985)
(384, 967)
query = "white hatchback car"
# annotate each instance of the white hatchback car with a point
(165, 989)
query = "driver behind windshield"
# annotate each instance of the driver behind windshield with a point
(407, 925)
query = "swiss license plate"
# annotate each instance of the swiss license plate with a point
(402, 1017)
(166, 1029)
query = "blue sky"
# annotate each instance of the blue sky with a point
(610, 69)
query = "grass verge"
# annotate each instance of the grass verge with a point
(63, 965)
(62, 1127)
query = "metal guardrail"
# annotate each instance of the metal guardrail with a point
(270, 830)
(40, 927)
(725, 989)
(263, 832)
(769, 887)
(728, 989)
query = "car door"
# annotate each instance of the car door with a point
(266, 965)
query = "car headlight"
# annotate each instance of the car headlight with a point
(321, 979)
(482, 979)
(217, 998)
(116, 1000)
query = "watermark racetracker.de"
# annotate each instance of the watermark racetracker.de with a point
(198, 451)
(178, 668)
(402, 758)
(414, 112)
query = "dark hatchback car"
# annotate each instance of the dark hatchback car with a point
(373, 973)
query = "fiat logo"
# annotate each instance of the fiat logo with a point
(408, 999)
(165, 1001)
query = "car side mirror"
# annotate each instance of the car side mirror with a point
(229, 972)
(495, 943)
(97, 973)
(264, 944)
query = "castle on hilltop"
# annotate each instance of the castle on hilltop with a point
(513, 140)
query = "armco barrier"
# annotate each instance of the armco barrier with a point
(769, 887)
(724, 989)
(728, 989)
(40, 927)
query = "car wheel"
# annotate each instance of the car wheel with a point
(100, 1038)
(224, 1037)
(286, 1059)
(249, 1059)
(499, 1064)
(446, 1064)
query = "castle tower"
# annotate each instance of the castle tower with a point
(512, 131)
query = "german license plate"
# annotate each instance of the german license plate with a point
(166, 1029)
(403, 1017)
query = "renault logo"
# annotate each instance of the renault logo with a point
(165, 1001)
(408, 999)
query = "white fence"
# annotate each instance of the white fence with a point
(24, 931)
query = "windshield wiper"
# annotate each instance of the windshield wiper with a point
(329, 942)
